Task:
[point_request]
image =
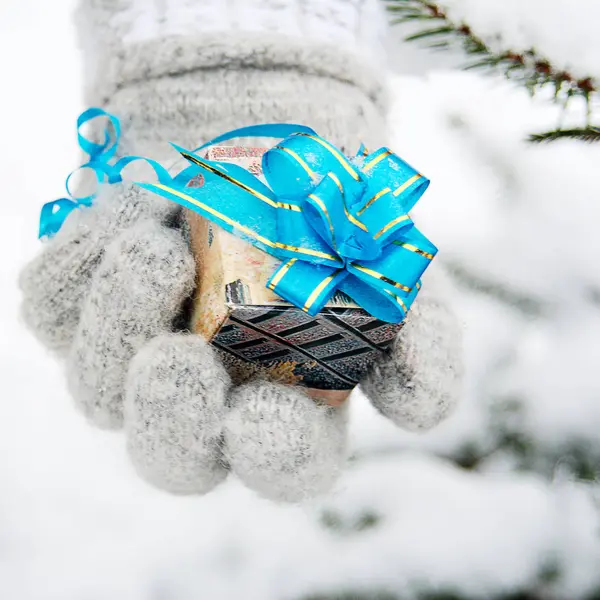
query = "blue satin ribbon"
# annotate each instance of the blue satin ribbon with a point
(53, 214)
(335, 223)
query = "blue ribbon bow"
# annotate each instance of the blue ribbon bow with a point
(54, 213)
(335, 223)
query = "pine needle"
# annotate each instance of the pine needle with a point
(588, 134)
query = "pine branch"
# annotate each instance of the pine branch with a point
(588, 134)
(528, 68)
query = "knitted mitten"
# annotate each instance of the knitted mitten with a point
(105, 291)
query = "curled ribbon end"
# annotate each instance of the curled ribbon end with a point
(53, 215)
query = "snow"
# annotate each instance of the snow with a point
(76, 523)
(535, 197)
(522, 217)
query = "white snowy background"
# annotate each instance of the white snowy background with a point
(519, 228)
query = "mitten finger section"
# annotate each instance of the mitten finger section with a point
(419, 384)
(135, 295)
(283, 444)
(57, 281)
(174, 411)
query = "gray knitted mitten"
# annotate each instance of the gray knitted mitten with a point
(104, 293)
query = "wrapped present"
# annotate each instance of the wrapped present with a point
(255, 331)
(307, 261)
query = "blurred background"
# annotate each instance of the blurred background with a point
(501, 501)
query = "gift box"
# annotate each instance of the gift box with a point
(308, 260)
(254, 331)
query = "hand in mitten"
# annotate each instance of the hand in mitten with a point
(106, 291)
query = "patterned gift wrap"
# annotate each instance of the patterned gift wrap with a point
(331, 351)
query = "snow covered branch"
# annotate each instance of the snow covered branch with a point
(526, 67)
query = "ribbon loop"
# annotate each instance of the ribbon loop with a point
(54, 213)
(99, 152)
(335, 223)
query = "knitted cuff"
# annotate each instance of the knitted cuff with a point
(126, 41)
(195, 107)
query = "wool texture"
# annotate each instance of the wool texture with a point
(419, 384)
(135, 294)
(106, 290)
(195, 107)
(55, 284)
(282, 443)
(174, 414)
(124, 41)
(188, 70)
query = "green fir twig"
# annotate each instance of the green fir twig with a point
(528, 68)
(588, 134)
